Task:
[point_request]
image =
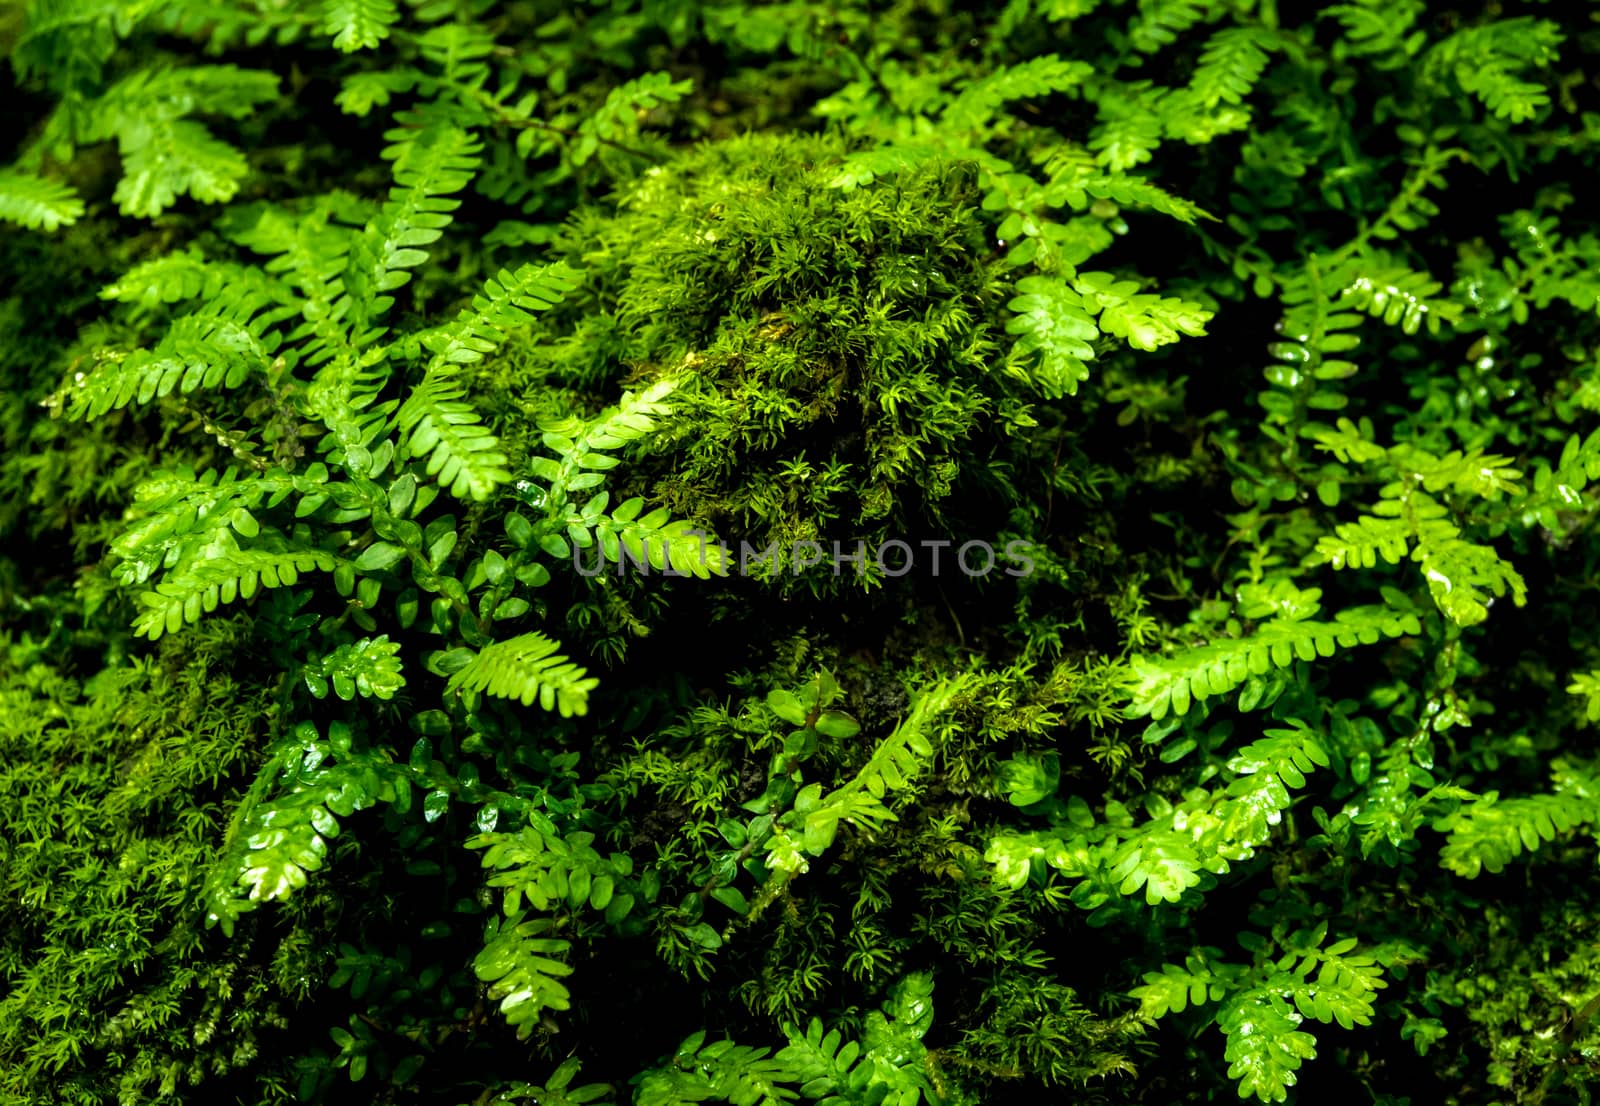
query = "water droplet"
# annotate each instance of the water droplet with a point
(531, 494)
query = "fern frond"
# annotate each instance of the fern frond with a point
(1265, 1044)
(1052, 322)
(1038, 76)
(723, 1071)
(1486, 60)
(519, 963)
(537, 865)
(184, 275)
(1160, 22)
(526, 668)
(1345, 984)
(174, 512)
(1376, 28)
(1400, 297)
(861, 168)
(1490, 832)
(1163, 683)
(1164, 862)
(580, 444)
(165, 160)
(37, 203)
(274, 844)
(896, 761)
(1230, 65)
(503, 305)
(651, 540)
(558, 1091)
(437, 423)
(220, 346)
(1145, 321)
(1128, 127)
(459, 50)
(309, 244)
(1463, 577)
(617, 120)
(1174, 989)
(1587, 684)
(164, 154)
(1080, 192)
(429, 166)
(223, 573)
(1360, 544)
(358, 24)
(901, 755)
(886, 1065)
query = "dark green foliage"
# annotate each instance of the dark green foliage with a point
(444, 644)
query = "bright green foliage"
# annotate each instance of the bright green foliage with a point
(557, 1090)
(358, 24)
(524, 668)
(221, 346)
(165, 154)
(276, 840)
(893, 766)
(490, 493)
(220, 573)
(1489, 832)
(1218, 668)
(37, 203)
(367, 667)
(1263, 1006)
(521, 968)
(1587, 684)
(889, 1064)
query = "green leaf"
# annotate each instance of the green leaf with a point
(787, 707)
(832, 723)
(379, 556)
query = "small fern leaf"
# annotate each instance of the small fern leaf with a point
(1163, 862)
(1051, 322)
(438, 424)
(1587, 684)
(1039, 76)
(526, 668)
(519, 964)
(431, 165)
(1265, 1044)
(274, 844)
(1145, 321)
(1230, 66)
(865, 166)
(1174, 989)
(220, 347)
(186, 593)
(357, 24)
(1490, 832)
(37, 203)
(503, 305)
(1171, 683)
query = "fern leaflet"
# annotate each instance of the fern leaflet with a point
(526, 668)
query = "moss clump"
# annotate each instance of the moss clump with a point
(839, 345)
